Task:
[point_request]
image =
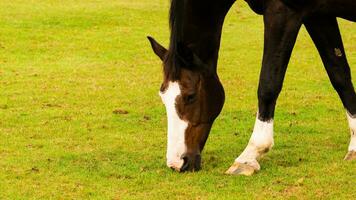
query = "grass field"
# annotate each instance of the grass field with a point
(70, 69)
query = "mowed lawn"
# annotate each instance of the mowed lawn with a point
(80, 117)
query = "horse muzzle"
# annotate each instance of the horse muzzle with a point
(189, 162)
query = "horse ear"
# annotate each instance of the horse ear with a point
(158, 49)
(188, 57)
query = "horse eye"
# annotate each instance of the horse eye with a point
(190, 98)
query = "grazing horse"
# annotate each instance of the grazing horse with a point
(191, 90)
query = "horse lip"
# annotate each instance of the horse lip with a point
(185, 165)
(176, 166)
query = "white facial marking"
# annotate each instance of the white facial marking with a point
(352, 124)
(260, 142)
(176, 127)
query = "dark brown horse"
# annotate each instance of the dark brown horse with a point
(194, 96)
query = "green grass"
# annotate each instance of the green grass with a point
(65, 66)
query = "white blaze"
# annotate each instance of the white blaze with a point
(176, 127)
(352, 124)
(260, 142)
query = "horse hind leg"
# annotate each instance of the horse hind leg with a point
(351, 155)
(325, 33)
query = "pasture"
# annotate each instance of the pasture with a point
(80, 115)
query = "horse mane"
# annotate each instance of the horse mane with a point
(176, 19)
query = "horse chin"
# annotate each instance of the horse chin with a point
(175, 165)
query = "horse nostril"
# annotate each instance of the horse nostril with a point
(185, 165)
(190, 163)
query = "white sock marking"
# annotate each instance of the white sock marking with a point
(352, 124)
(260, 142)
(176, 127)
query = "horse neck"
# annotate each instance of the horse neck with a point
(202, 28)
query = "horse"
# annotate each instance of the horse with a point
(194, 96)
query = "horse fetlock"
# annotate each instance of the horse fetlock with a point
(352, 145)
(352, 124)
(264, 149)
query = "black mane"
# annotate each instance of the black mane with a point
(176, 18)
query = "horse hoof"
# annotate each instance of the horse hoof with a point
(351, 155)
(241, 169)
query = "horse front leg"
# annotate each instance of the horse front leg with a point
(281, 29)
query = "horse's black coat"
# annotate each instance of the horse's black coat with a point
(193, 53)
(197, 24)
